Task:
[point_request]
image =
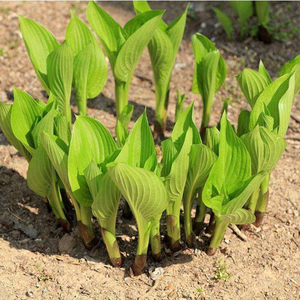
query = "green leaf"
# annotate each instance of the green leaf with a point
(57, 152)
(232, 167)
(24, 114)
(201, 162)
(5, 125)
(176, 178)
(60, 75)
(262, 70)
(202, 46)
(252, 84)
(265, 148)
(143, 190)
(106, 201)
(293, 66)
(185, 121)
(239, 217)
(134, 46)
(225, 22)
(45, 125)
(212, 139)
(139, 146)
(39, 42)
(62, 129)
(90, 68)
(108, 30)
(244, 9)
(262, 12)
(179, 105)
(122, 124)
(243, 122)
(276, 100)
(41, 176)
(90, 141)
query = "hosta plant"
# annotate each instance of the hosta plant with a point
(123, 46)
(23, 122)
(175, 165)
(230, 184)
(209, 75)
(77, 62)
(163, 48)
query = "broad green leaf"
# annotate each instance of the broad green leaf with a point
(252, 83)
(41, 176)
(262, 70)
(108, 30)
(179, 105)
(24, 114)
(106, 201)
(90, 141)
(93, 176)
(185, 121)
(265, 148)
(39, 42)
(60, 75)
(45, 125)
(57, 153)
(62, 129)
(262, 12)
(293, 66)
(243, 122)
(169, 154)
(90, 68)
(176, 179)
(139, 146)
(202, 46)
(225, 21)
(132, 49)
(232, 167)
(241, 195)
(239, 217)
(143, 190)
(78, 35)
(276, 100)
(212, 139)
(244, 9)
(201, 162)
(5, 125)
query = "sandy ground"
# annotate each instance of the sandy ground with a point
(31, 266)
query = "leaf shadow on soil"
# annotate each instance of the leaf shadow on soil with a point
(26, 223)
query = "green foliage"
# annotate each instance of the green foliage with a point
(221, 272)
(225, 22)
(123, 46)
(163, 49)
(209, 75)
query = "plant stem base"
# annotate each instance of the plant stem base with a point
(88, 237)
(211, 251)
(190, 240)
(174, 246)
(139, 264)
(66, 225)
(127, 213)
(259, 218)
(198, 227)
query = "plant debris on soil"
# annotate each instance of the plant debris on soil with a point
(39, 261)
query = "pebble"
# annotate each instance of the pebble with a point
(66, 244)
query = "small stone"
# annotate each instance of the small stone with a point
(66, 244)
(29, 294)
(226, 241)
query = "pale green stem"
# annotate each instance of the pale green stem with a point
(218, 235)
(121, 95)
(262, 202)
(188, 200)
(155, 239)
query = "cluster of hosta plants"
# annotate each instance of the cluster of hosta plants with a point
(82, 170)
(246, 10)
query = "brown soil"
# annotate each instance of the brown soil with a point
(265, 267)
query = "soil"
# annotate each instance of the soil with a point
(266, 266)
